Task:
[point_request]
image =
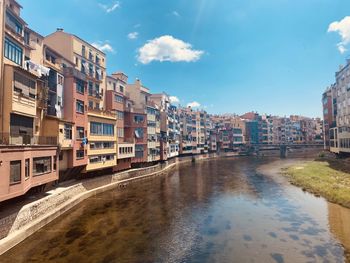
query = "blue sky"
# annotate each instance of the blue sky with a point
(270, 56)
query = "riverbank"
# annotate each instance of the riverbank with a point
(327, 177)
(20, 222)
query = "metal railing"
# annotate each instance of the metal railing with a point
(26, 139)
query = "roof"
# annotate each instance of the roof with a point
(57, 53)
(34, 32)
(80, 39)
(115, 78)
(16, 3)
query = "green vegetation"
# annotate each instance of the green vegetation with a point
(328, 178)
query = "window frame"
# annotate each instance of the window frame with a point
(20, 172)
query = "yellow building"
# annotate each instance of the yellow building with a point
(100, 129)
(102, 136)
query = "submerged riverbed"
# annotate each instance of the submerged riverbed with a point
(221, 210)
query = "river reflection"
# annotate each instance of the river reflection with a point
(221, 210)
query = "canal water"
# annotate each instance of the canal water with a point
(221, 210)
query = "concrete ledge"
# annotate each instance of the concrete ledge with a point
(33, 216)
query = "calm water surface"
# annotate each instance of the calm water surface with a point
(223, 210)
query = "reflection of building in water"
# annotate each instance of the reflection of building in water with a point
(339, 223)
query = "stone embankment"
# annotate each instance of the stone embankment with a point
(17, 225)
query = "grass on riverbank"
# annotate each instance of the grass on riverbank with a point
(322, 177)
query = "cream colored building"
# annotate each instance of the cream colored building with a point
(101, 130)
(153, 132)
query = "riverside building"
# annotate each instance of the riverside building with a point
(28, 158)
(98, 137)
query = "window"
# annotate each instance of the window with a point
(151, 124)
(108, 129)
(91, 104)
(101, 158)
(120, 115)
(54, 163)
(13, 52)
(139, 133)
(120, 132)
(102, 145)
(139, 151)
(83, 66)
(15, 172)
(91, 89)
(151, 111)
(91, 70)
(97, 106)
(80, 106)
(80, 132)
(97, 128)
(119, 99)
(83, 51)
(67, 131)
(114, 86)
(80, 86)
(125, 150)
(98, 73)
(59, 100)
(138, 118)
(97, 90)
(108, 145)
(14, 23)
(79, 154)
(24, 85)
(121, 88)
(27, 167)
(41, 165)
(26, 37)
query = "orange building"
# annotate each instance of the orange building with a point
(28, 158)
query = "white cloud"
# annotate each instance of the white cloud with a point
(174, 99)
(103, 46)
(194, 104)
(167, 48)
(342, 27)
(175, 13)
(341, 48)
(133, 35)
(109, 9)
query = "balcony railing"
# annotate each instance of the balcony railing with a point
(126, 140)
(26, 139)
(51, 110)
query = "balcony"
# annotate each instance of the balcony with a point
(13, 23)
(127, 140)
(26, 139)
(72, 72)
(126, 150)
(51, 111)
(101, 113)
